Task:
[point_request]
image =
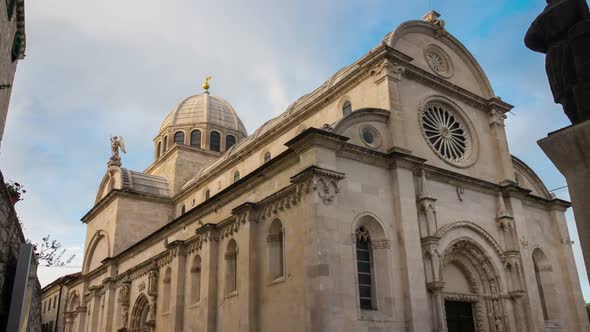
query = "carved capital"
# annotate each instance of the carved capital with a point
(323, 181)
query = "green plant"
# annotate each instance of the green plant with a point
(15, 191)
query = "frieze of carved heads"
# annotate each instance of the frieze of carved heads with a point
(323, 181)
(381, 244)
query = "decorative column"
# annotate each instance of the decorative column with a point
(440, 317)
(153, 294)
(124, 303)
(505, 223)
(426, 203)
(505, 171)
(110, 289)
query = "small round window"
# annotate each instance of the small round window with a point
(370, 136)
(446, 133)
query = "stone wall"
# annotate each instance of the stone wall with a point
(11, 235)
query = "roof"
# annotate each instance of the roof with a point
(204, 108)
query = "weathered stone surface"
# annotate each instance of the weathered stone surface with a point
(562, 32)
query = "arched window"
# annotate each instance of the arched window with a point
(165, 144)
(266, 157)
(364, 268)
(179, 138)
(346, 108)
(196, 280)
(182, 209)
(275, 242)
(166, 291)
(17, 44)
(236, 176)
(196, 138)
(207, 194)
(214, 141)
(229, 141)
(159, 149)
(231, 267)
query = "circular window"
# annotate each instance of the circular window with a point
(370, 136)
(438, 61)
(446, 133)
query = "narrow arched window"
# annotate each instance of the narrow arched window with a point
(179, 138)
(229, 141)
(545, 285)
(364, 269)
(196, 280)
(275, 242)
(165, 144)
(236, 176)
(158, 149)
(166, 291)
(207, 194)
(266, 157)
(182, 209)
(231, 267)
(214, 141)
(346, 108)
(196, 138)
(17, 44)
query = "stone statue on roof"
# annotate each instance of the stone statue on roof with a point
(117, 142)
(562, 32)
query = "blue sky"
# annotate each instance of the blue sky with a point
(94, 69)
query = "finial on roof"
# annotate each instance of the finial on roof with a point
(433, 18)
(206, 84)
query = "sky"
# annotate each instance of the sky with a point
(95, 69)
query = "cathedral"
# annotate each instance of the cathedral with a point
(384, 200)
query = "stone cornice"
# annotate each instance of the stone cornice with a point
(115, 193)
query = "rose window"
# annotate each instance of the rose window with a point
(438, 61)
(445, 132)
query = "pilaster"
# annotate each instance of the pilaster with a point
(209, 251)
(505, 171)
(177, 286)
(247, 237)
(406, 213)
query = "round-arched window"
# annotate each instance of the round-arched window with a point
(179, 137)
(215, 141)
(230, 141)
(236, 176)
(446, 132)
(196, 138)
(346, 108)
(267, 157)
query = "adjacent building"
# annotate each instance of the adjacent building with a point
(51, 302)
(384, 200)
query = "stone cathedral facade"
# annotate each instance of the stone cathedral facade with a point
(384, 200)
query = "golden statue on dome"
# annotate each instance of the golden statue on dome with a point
(206, 84)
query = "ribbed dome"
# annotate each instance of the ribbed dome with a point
(204, 108)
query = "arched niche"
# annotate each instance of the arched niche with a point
(97, 249)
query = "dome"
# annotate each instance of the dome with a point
(204, 108)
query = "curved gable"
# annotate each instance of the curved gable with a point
(528, 179)
(413, 38)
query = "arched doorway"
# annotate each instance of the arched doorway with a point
(71, 313)
(140, 320)
(471, 293)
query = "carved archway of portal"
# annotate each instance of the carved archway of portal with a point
(140, 316)
(484, 285)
